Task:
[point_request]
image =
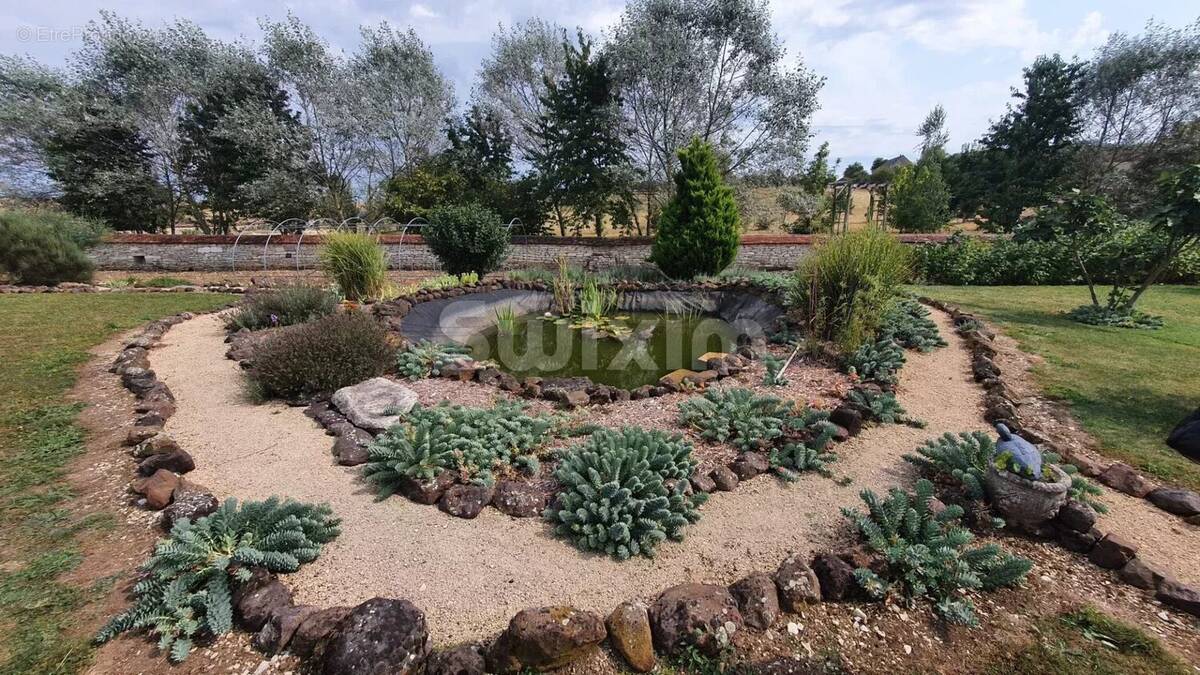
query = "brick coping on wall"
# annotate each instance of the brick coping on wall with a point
(258, 238)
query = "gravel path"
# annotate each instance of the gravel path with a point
(471, 576)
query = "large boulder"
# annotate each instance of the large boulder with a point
(460, 660)
(158, 444)
(158, 488)
(190, 502)
(1176, 500)
(1076, 516)
(757, 600)
(545, 638)
(379, 636)
(375, 404)
(1185, 437)
(1124, 478)
(466, 501)
(260, 599)
(836, 577)
(519, 500)
(797, 584)
(695, 614)
(178, 461)
(629, 632)
(1184, 598)
(315, 629)
(1112, 552)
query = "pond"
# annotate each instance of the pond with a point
(626, 350)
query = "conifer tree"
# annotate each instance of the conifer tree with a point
(582, 157)
(699, 231)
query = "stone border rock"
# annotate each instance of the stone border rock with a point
(161, 463)
(390, 635)
(1074, 526)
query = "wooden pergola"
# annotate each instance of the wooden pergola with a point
(843, 202)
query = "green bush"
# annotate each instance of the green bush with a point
(907, 323)
(739, 416)
(467, 238)
(881, 407)
(880, 361)
(698, 232)
(356, 263)
(33, 252)
(927, 554)
(920, 199)
(425, 358)
(476, 444)
(282, 307)
(964, 458)
(845, 285)
(83, 232)
(322, 356)
(625, 492)
(188, 584)
(964, 260)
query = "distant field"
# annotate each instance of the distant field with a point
(762, 214)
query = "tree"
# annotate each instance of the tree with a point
(1028, 153)
(228, 141)
(480, 146)
(582, 153)
(699, 232)
(932, 131)
(712, 70)
(322, 90)
(1139, 94)
(512, 80)
(856, 173)
(30, 98)
(919, 198)
(406, 102)
(103, 169)
(152, 75)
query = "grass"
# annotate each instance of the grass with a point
(44, 338)
(1128, 387)
(1087, 641)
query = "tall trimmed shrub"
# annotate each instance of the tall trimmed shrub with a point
(356, 263)
(35, 252)
(846, 284)
(466, 238)
(699, 231)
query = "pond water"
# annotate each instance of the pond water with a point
(628, 350)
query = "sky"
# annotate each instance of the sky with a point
(886, 62)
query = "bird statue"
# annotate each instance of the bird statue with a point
(1024, 454)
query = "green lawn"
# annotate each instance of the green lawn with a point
(1128, 387)
(43, 340)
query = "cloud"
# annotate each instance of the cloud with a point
(419, 11)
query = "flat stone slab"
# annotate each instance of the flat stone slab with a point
(375, 404)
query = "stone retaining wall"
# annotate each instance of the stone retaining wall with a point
(218, 253)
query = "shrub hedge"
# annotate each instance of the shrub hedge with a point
(963, 260)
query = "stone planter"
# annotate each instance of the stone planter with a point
(1024, 501)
